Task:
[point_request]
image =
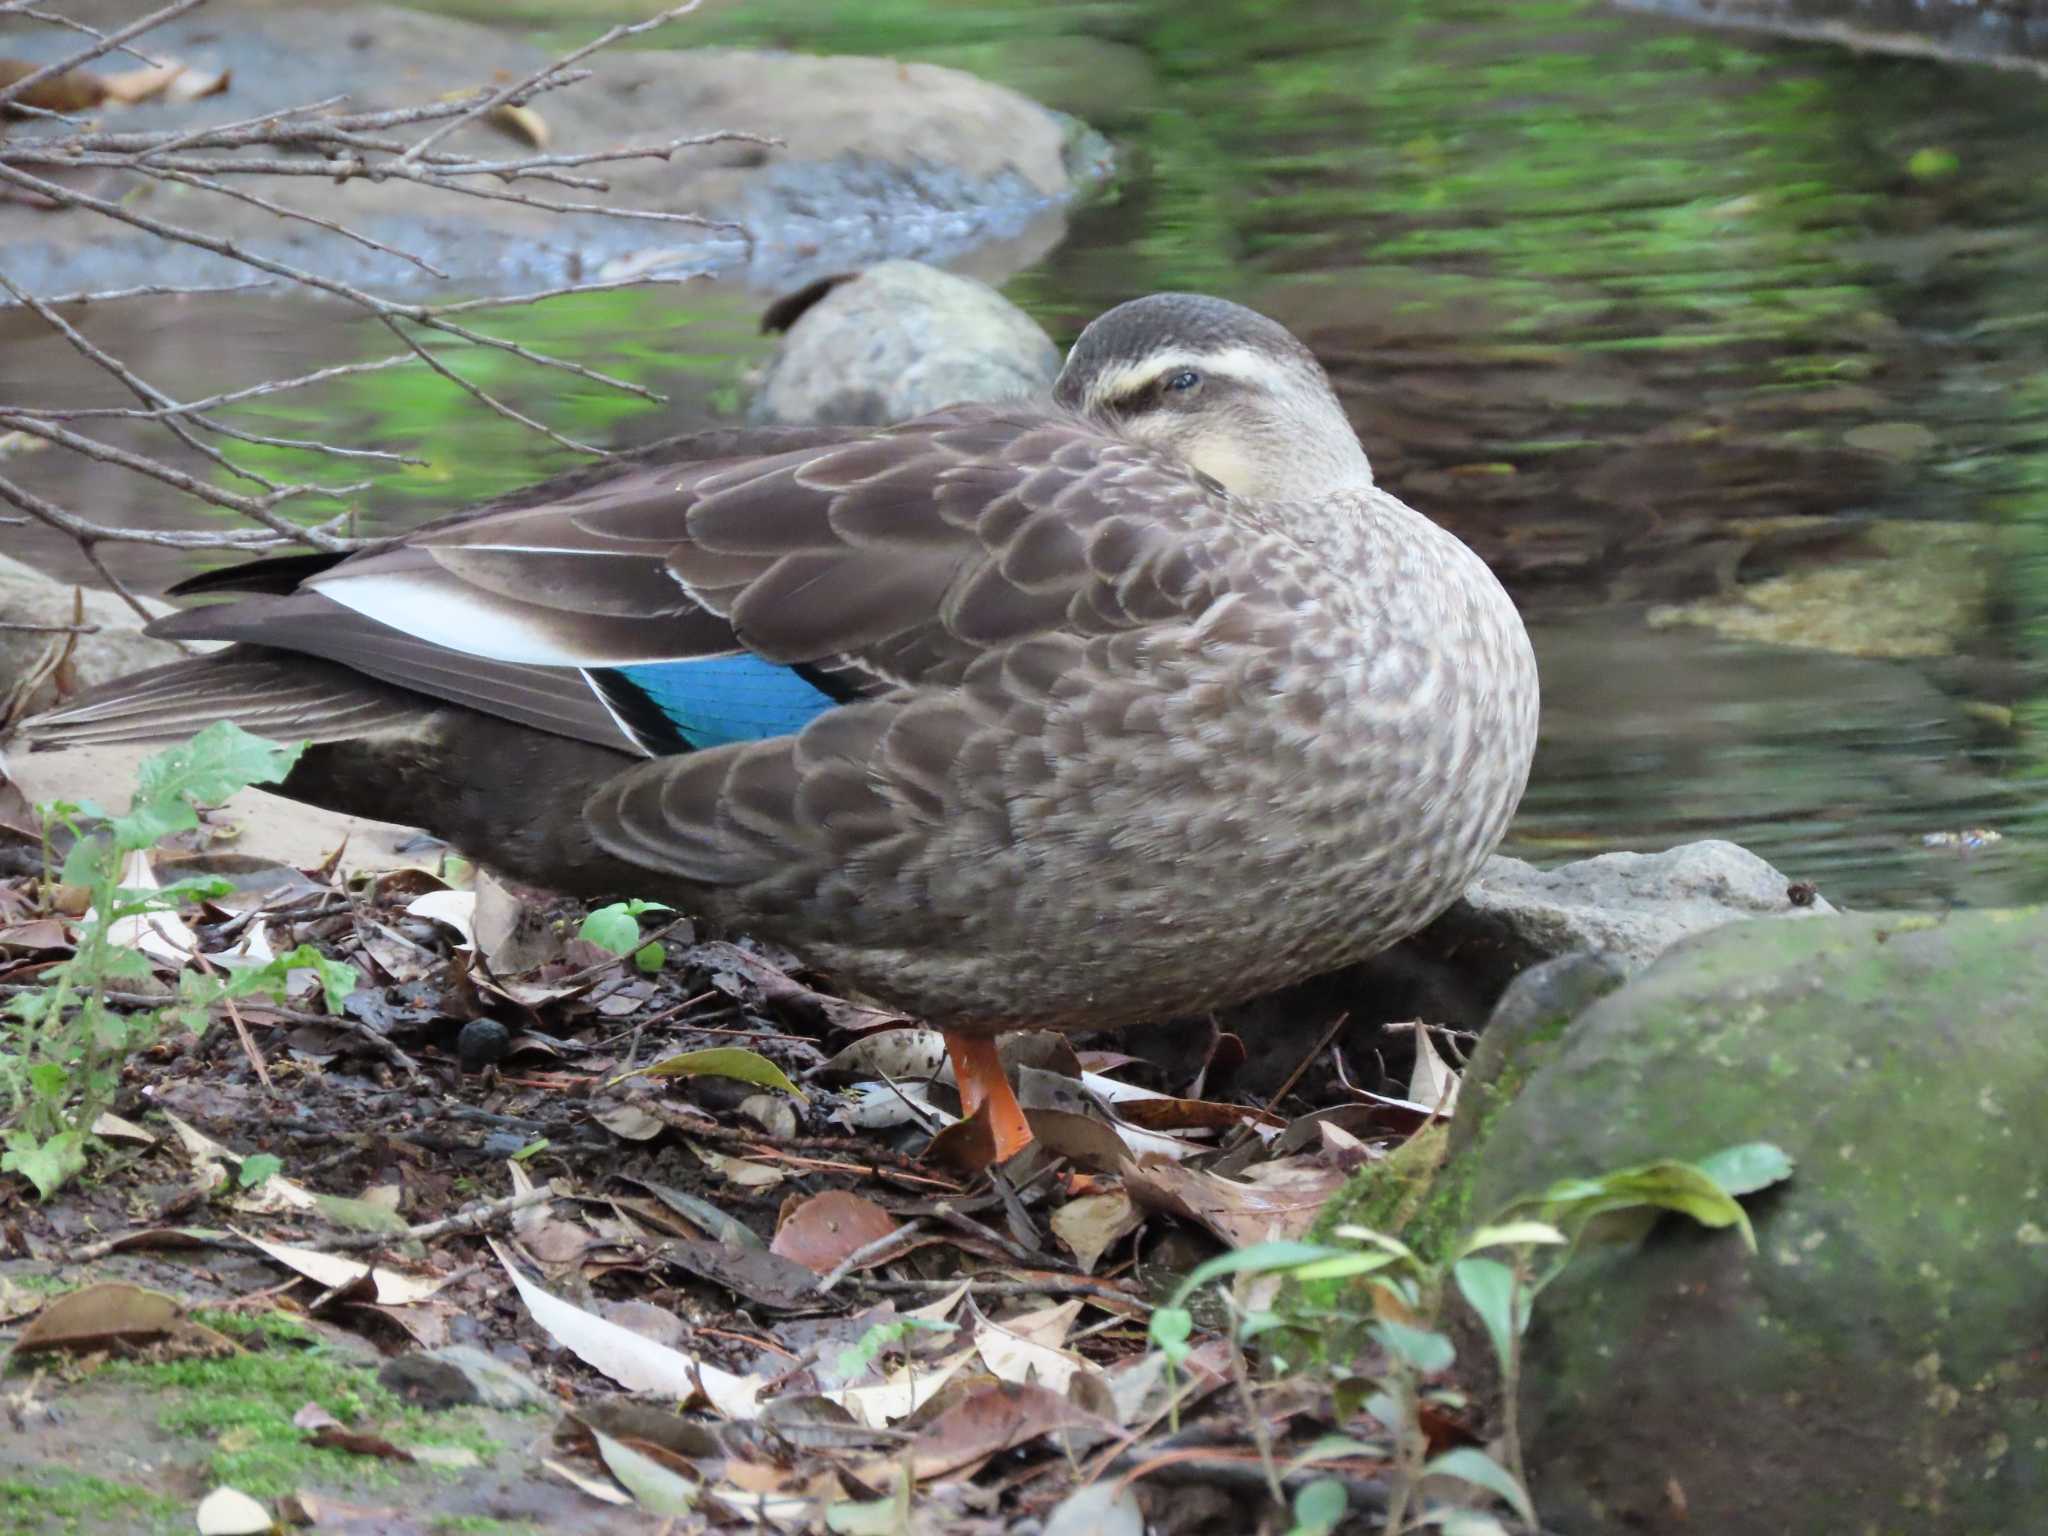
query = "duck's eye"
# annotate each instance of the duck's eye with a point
(1181, 383)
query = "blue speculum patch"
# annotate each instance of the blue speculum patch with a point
(718, 700)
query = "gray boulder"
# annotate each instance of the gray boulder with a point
(1629, 907)
(901, 339)
(1876, 1366)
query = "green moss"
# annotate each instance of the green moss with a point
(50, 1502)
(244, 1407)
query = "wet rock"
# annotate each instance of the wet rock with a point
(1874, 1366)
(878, 159)
(116, 647)
(901, 339)
(1627, 907)
(456, 1376)
(1905, 589)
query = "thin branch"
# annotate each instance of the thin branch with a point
(258, 508)
(51, 18)
(312, 139)
(257, 200)
(147, 291)
(383, 309)
(90, 533)
(135, 604)
(213, 402)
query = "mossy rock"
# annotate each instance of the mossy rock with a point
(1875, 1367)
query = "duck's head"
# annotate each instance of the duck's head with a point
(1221, 386)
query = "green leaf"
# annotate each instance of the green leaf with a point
(1331, 1447)
(1475, 1466)
(650, 957)
(256, 1168)
(1748, 1168)
(1318, 1507)
(616, 929)
(92, 861)
(1510, 1234)
(1344, 1265)
(1490, 1287)
(207, 770)
(49, 1164)
(1427, 1351)
(1393, 1245)
(721, 1061)
(337, 978)
(612, 929)
(1170, 1330)
(1257, 1257)
(125, 965)
(1667, 1185)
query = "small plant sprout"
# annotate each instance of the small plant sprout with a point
(62, 1045)
(616, 930)
(1498, 1269)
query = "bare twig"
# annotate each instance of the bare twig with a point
(312, 139)
(146, 290)
(482, 1218)
(51, 18)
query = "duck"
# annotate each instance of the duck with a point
(1124, 705)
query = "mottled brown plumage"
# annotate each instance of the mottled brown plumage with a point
(1149, 700)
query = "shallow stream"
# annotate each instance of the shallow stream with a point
(1732, 354)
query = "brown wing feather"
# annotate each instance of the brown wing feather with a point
(975, 583)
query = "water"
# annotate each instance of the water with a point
(1731, 354)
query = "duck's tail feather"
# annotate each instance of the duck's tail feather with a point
(269, 693)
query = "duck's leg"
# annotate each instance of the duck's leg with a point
(978, 1069)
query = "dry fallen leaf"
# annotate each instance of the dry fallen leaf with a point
(231, 1512)
(597, 1488)
(634, 1362)
(522, 123)
(995, 1418)
(1278, 1199)
(333, 1271)
(1090, 1224)
(826, 1229)
(1433, 1082)
(901, 1054)
(744, 1172)
(655, 1488)
(73, 91)
(1026, 1350)
(100, 1315)
(907, 1389)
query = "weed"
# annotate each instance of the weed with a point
(62, 1045)
(1407, 1294)
(616, 928)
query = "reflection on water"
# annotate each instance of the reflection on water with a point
(1673, 326)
